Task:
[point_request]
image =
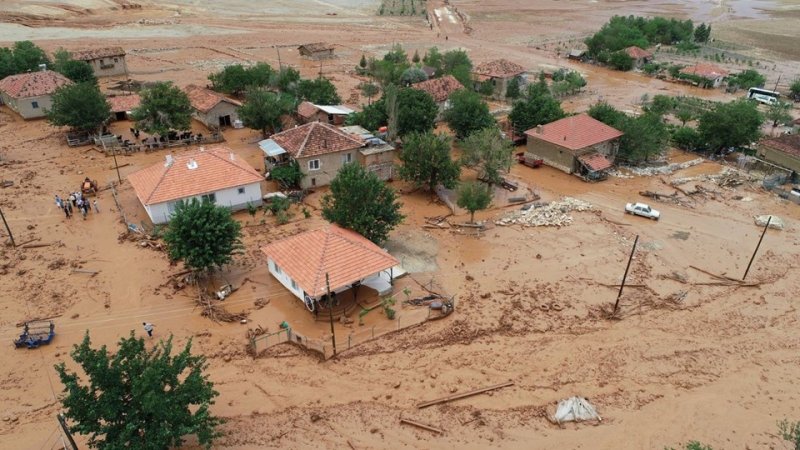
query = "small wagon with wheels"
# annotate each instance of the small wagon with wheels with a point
(36, 333)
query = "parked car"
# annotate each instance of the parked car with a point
(642, 209)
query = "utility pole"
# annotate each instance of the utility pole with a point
(625, 276)
(757, 246)
(63, 422)
(776, 83)
(7, 228)
(320, 67)
(116, 166)
(330, 312)
(278, 49)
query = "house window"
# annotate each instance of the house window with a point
(116, 59)
(211, 198)
(240, 190)
(313, 181)
(313, 164)
(277, 269)
(347, 158)
(171, 207)
(35, 105)
(294, 285)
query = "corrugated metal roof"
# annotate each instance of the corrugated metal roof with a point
(271, 148)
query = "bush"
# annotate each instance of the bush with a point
(288, 175)
(620, 61)
(621, 32)
(686, 138)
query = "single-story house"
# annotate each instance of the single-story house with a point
(499, 72)
(783, 151)
(714, 74)
(122, 105)
(639, 55)
(106, 61)
(217, 175)
(30, 94)
(332, 114)
(301, 262)
(319, 148)
(316, 50)
(377, 155)
(212, 109)
(576, 144)
(440, 89)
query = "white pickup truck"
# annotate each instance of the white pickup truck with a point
(642, 209)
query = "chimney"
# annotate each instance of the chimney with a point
(539, 129)
(169, 161)
(192, 164)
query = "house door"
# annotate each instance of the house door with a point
(225, 121)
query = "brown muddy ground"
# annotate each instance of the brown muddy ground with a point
(719, 366)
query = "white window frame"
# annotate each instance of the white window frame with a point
(318, 164)
(347, 158)
(294, 284)
(212, 197)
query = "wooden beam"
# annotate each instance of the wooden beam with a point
(457, 396)
(422, 425)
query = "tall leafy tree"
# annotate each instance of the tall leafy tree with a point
(537, 107)
(434, 59)
(79, 106)
(7, 64)
(320, 91)
(164, 107)
(412, 75)
(620, 61)
(794, 88)
(236, 79)
(202, 235)
(747, 79)
(467, 113)
(702, 33)
(457, 63)
(730, 125)
(369, 90)
(78, 71)
(474, 196)
(263, 110)
(28, 56)
(607, 114)
(139, 397)
(489, 152)
(427, 162)
(360, 201)
(645, 136)
(371, 117)
(778, 113)
(286, 80)
(416, 111)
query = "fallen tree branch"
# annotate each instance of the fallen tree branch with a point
(461, 395)
(421, 425)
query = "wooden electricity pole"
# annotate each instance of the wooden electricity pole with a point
(7, 228)
(625, 276)
(63, 422)
(330, 312)
(757, 246)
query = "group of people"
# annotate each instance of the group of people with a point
(76, 201)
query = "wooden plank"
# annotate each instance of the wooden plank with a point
(37, 245)
(457, 396)
(422, 425)
(720, 277)
(90, 272)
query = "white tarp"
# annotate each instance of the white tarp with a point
(776, 223)
(271, 148)
(336, 109)
(575, 409)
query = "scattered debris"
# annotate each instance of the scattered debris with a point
(421, 425)
(450, 398)
(575, 409)
(554, 214)
(776, 223)
(663, 170)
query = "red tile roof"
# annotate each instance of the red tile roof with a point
(499, 68)
(204, 100)
(705, 70)
(637, 52)
(97, 53)
(217, 168)
(595, 161)
(575, 132)
(306, 110)
(439, 88)
(33, 84)
(346, 256)
(788, 143)
(315, 138)
(123, 103)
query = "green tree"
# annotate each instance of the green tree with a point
(371, 117)
(163, 107)
(489, 152)
(389, 69)
(645, 136)
(474, 196)
(204, 236)
(79, 106)
(360, 201)
(513, 90)
(259, 75)
(790, 431)
(794, 88)
(427, 162)
(7, 65)
(778, 113)
(661, 104)
(620, 61)
(139, 397)
(369, 90)
(77, 71)
(467, 113)
(433, 59)
(231, 79)
(61, 57)
(457, 63)
(319, 91)
(415, 58)
(416, 111)
(684, 114)
(607, 114)
(28, 56)
(263, 110)
(286, 80)
(730, 125)
(702, 33)
(412, 75)
(287, 175)
(747, 79)
(537, 107)
(686, 138)
(363, 62)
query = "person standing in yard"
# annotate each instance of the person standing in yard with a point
(96, 208)
(148, 327)
(66, 210)
(59, 202)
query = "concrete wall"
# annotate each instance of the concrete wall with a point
(109, 67)
(382, 164)
(211, 118)
(780, 158)
(322, 116)
(285, 279)
(24, 106)
(231, 198)
(328, 168)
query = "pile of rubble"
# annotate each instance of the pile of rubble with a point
(663, 170)
(542, 214)
(728, 177)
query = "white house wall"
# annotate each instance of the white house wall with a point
(230, 198)
(285, 280)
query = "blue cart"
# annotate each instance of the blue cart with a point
(36, 333)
